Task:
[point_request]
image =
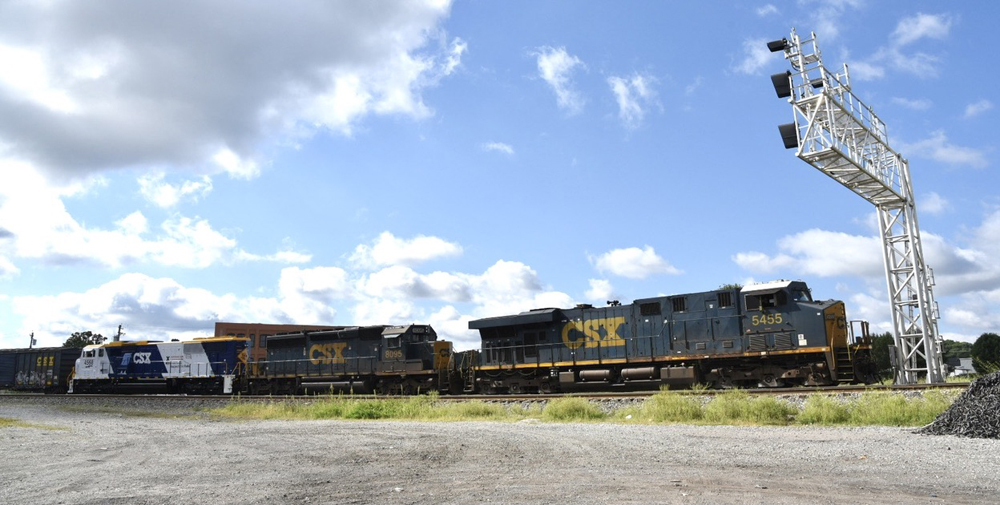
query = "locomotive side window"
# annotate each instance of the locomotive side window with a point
(801, 295)
(392, 343)
(767, 300)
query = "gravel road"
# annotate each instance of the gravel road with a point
(111, 458)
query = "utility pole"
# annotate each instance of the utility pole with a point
(843, 138)
(31, 343)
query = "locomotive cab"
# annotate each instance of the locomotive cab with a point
(409, 348)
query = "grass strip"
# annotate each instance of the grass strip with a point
(734, 407)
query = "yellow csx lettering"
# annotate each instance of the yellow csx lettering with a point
(590, 333)
(327, 353)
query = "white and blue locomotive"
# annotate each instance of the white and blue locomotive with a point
(206, 365)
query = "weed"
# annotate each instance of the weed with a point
(572, 409)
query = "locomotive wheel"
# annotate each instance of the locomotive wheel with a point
(770, 381)
(384, 388)
(410, 387)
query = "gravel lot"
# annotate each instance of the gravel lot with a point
(101, 457)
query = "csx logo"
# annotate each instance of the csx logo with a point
(590, 333)
(142, 358)
(327, 353)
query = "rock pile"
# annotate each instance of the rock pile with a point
(975, 413)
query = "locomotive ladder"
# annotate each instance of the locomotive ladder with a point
(843, 138)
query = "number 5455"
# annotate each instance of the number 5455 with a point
(766, 319)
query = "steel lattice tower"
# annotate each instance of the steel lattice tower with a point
(843, 138)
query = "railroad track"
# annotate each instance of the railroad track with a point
(624, 395)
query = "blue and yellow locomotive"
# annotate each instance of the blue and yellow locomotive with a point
(763, 335)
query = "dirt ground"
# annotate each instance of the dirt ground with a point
(111, 458)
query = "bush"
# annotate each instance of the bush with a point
(572, 409)
(671, 408)
(737, 407)
(820, 409)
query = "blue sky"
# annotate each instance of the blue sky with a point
(167, 165)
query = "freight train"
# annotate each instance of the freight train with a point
(763, 335)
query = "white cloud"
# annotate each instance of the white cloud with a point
(236, 166)
(155, 84)
(633, 94)
(915, 104)
(866, 71)
(7, 268)
(499, 147)
(818, 252)
(933, 203)
(390, 250)
(556, 66)
(38, 227)
(160, 308)
(977, 108)
(914, 28)
(938, 148)
(898, 56)
(767, 10)
(633, 263)
(600, 291)
(755, 57)
(166, 195)
(826, 15)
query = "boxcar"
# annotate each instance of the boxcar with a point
(42, 369)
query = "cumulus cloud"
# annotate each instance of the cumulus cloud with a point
(826, 16)
(634, 95)
(899, 56)
(555, 67)
(817, 252)
(163, 194)
(160, 308)
(601, 291)
(957, 268)
(938, 148)
(40, 228)
(919, 26)
(977, 108)
(755, 57)
(85, 89)
(633, 263)
(933, 203)
(387, 249)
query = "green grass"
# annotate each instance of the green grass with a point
(7, 422)
(734, 407)
(571, 410)
(416, 408)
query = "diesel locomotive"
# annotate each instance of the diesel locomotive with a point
(763, 335)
